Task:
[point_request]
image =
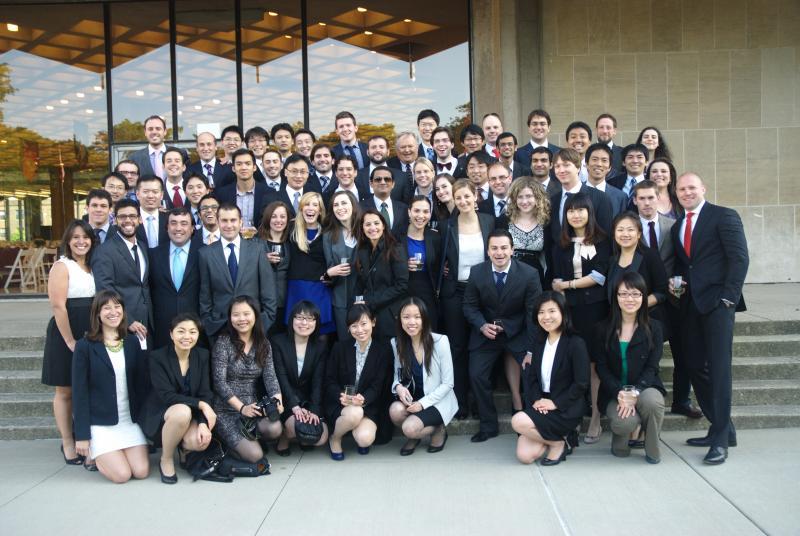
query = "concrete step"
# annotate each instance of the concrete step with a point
(22, 381)
(767, 327)
(761, 346)
(28, 428)
(21, 360)
(21, 343)
(26, 404)
(750, 368)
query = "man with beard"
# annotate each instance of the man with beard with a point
(542, 170)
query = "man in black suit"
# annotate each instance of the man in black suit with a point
(272, 164)
(98, 213)
(378, 153)
(542, 170)
(445, 162)
(121, 264)
(174, 277)
(507, 148)
(498, 304)
(231, 142)
(347, 129)
(250, 196)
(427, 122)
(492, 127)
(634, 159)
(598, 162)
(606, 127)
(233, 267)
(393, 211)
(579, 136)
(478, 173)
(153, 223)
(257, 140)
(174, 168)
(283, 138)
(496, 204)
(209, 165)
(711, 255)
(296, 169)
(472, 139)
(538, 128)
(322, 179)
(403, 164)
(150, 159)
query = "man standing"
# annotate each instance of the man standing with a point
(174, 167)
(539, 129)
(121, 264)
(378, 153)
(606, 127)
(150, 159)
(98, 213)
(116, 185)
(579, 136)
(283, 137)
(209, 232)
(272, 165)
(304, 141)
(497, 203)
(174, 277)
(296, 170)
(346, 128)
(711, 255)
(130, 170)
(257, 139)
(498, 304)
(634, 156)
(507, 148)
(221, 278)
(492, 127)
(322, 180)
(445, 162)
(542, 170)
(427, 121)
(209, 165)
(598, 161)
(478, 173)
(250, 196)
(152, 228)
(406, 149)
(393, 211)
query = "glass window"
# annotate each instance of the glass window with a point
(53, 126)
(206, 66)
(384, 62)
(272, 63)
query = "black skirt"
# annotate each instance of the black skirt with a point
(419, 286)
(57, 364)
(552, 426)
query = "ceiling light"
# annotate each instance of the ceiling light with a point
(89, 111)
(79, 95)
(64, 101)
(180, 112)
(272, 14)
(287, 36)
(198, 107)
(180, 97)
(322, 24)
(3, 141)
(216, 101)
(361, 9)
(367, 32)
(372, 52)
(97, 88)
(48, 107)
(12, 27)
(139, 93)
(406, 20)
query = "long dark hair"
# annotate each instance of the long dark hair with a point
(95, 332)
(308, 308)
(332, 226)
(67, 236)
(627, 215)
(405, 348)
(388, 241)
(260, 343)
(631, 281)
(662, 151)
(673, 176)
(266, 216)
(566, 320)
(593, 233)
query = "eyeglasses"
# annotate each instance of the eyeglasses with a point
(115, 188)
(629, 295)
(301, 318)
(381, 179)
(130, 173)
(207, 208)
(123, 217)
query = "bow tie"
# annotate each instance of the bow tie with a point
(446, 166)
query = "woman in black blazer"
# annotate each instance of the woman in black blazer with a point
(554, 385)
(274, 234)
(381, 271)
(465, 229)
(109, 383)
(580, 265)
(423, 250)
(628, 349)
(178, 409)
(362, 368)
(300, 365)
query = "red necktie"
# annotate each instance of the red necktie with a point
(177, 200)
(687, 234)
(496, 153)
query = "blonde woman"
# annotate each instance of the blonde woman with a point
(307, 279)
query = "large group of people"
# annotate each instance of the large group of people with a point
(291, 291)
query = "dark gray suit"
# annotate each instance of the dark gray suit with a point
(619, 201)
(142, 159)
(255, 279)
(114, 269)
(342, 288)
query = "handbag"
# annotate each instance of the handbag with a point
(308, 434)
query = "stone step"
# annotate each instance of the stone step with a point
(21, 343)
(28, 428)
(750, 368)
(761, 346)
(766, 327)
(22, 381)
(26, 404)
(21, 360)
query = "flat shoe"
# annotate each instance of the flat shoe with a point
(363, 450)
(77, 460)
(548, 462)
(91, 467)
(336, 456)
(433, 449)
(283, 453)
(408, 451)
(171, 479)
(590, 439)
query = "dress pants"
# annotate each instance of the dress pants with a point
(481, 363)
(649, 414)
(681, 382)
(708, 346)
(458, 332)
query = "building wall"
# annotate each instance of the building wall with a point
(720, 78)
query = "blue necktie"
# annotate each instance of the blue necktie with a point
(429, 153)
(152, 232)
(233, 265)
(499, 281)
(296, 202)
(178, 267)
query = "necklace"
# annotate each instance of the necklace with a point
(116, 347)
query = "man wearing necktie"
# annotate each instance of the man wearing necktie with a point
(206, 146)
(209, 232)
(272, 165)
(499, 185)
(478, 173)
(711, 255)
(98, 212)
(346, 128)
(498, 304)
(153, 229)
(322, 158)
(174, 167)
(492, 127)
(634, 158)
(427, 121)
(296, 168)
(394, 212)
(149, 160)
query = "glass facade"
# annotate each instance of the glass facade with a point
(69, 77)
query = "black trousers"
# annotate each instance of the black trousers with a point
(481, 363)
(681, 381)
(708, 346)
(458, 331)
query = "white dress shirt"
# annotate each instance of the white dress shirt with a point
(696, 213)
(142, 261)
(227, 252)
(548, 356)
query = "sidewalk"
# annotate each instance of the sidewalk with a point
(467, 489)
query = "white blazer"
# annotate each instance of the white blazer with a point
(438, 384)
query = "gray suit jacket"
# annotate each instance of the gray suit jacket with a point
(114, 269)
(343, 287)
(255, 279)
(665, 249)
(142, 159)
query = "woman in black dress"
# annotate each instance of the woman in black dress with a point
(70, 288)
(300, 365)
(178, 409)
(554, 385)
(423, 250)
(528, 215)
(357, 382)
(274, 233)
(580, 265)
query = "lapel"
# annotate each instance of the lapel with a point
(245, 255)
(368, 363)
(191, 261)
(218, 256)
(677, 245)
(311, 348)
(194, 364)
(174, 366)
(664, 227)
(125, 253)
(701, 224)
(130, 351)
(350, 363)
(561, 349)
(99, 350)
(637, 261)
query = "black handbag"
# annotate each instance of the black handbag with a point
(308, 434)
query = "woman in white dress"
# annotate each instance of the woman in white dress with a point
(109, 383)
(70, 288)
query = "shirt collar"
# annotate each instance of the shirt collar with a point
(575, 190)
(291, 191)
(236, 241)
(601, 186)
(697, 210)
(206, 233)
(144, 214)
(173, 247)
(502, 271)
(645, 221)
(151, 149)
(379, 201)
(544, 144)
(366, 351)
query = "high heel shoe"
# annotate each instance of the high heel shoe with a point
(408, 451)
(440, 448)
(171, 479)
(548, 462)
(335, 456)
(77, 460)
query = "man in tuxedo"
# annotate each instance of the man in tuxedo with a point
(272, 166)
(209, 165)
(296, 169)
(606, 128)
(152, 228)
(498, 304)
(711, 255)
(121, 264)
(174, 168)
(542, 170)
(257, 140)
(579, 136)
(634, 158)
(98, 213)
(322, 179)
(656, 234)
(478, 173)
(507, 148)
(233, 267)
(130, 170)
(443, 145)
(538, 128)
(393, 211)
(174, 277)
(492, 127)
(496, 204)
(250, 196)
(598, 162)
(150, 159)
(427, 122)
(378, 153)
(283, 138)
(346, 129)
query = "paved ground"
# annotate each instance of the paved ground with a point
(467, 489)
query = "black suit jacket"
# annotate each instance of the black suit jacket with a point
(94, 387)
(262, 194)
(224, 175)
(167, 384)
(141, 233)
(373, 384)
(562, 269)
(303, 389)
(514, 305)
(521, 170)
(338, 151)
(314, 185)
(220, 172)
(602, 211)
(113, 268)
(382, 283)
(616, 160)
(719, 261)
(569, 377)
(458, 172)
(524, 152)
(450, 249)
(167, 300)
(433, 252)
(142, 158)
(487, 207)
(399, 215)
(282, 195)
(401, 191)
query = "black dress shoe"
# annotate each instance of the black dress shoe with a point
(687, 410)
(716, 456)
(706, 441)
(408, 451)
(283, 453)
(480, 437)
(440, 448)
(548, 462)
(77, 460)
(172, 479)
